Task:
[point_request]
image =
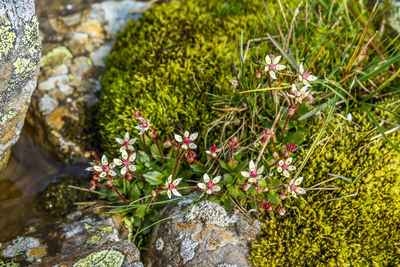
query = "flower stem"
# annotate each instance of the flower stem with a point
(286, 122)
(178, 159)
(144, 139)
(100, 185)
(119, 195)
(198, 162)
(159, 149)
(270, 86)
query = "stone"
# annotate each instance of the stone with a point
(394, 15)
(99, 55)
(59, 82)
(20, 51)
(205, 235)
(21, 244)
(47, 104)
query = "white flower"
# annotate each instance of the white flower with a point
(105, 169)
(293, 187)
(213, 151)
(272, 65)
(299, 95)
(210, 186)
(171, 186)
(305, 77)
(285, 166)
(188, 140)
(126, 162)
(126, 143)
(253, 174)
(144, 126)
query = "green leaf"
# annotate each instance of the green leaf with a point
(198, 168)
(134, 192)
(153, 177)
(378, 70)
(234, 191)
(228, 178)
(141, 211)
(275, 182)
(142, 157)
(228, 204)
(224, 165)
(273, 197)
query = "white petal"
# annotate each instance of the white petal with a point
(252, 166)
(112, 165)
(311, 78)
(89, 169)
(245, 174)
(131, 148)
(260, 170)
(104, 160)
(206, 178)
(132, 141)
(279, 169)
(294, 88)
(281, 162)
(301, 68)
(251, 180)
(294, 194)
(124, 155)
(139, 127)
(169, 193)
(186, 134)
(217, 188)
(122, 148)
(118, 162)
(216, 179)
(184, 146)
(300, 78)
(306, 83)
(169, 179)
(272, 74)
(304, 89)
(132, 157)
(298, 181)
(177, 181)
(209, 191)
(103, 174)
(288, 161)
(286, 173)
(192, 146)
(268, 60)
(280, 67)
(292, 167)
(126, 137)
(208, 152)
(132, 167)
(97, 168)
(193, 136)
(112, 173)
(276, 60)
(123, 170)
(119, 141)
(178, 138)
(291, 182)
(266, 68)
(176, 193)
(201, 186)
(300, 190)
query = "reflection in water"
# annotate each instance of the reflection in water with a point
(30, 170)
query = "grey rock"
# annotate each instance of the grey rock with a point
(47, 104)
(20, 51)
(205, 235)
(21, 244)
(99, 55)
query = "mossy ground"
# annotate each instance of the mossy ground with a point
(355, 225)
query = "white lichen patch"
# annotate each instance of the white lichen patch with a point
(187, 249)
(159, 244)
(21, 244)
(211, 213)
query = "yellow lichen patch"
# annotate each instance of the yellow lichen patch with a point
(37, 252)
(8, 36)
(180, 226)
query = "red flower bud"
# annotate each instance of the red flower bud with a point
(263, 139)
(176, 148)
(128, 176)
(267, 206)
(267, 131)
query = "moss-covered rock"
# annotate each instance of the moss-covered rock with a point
(168, 63)
(58, 198)
(361, 229)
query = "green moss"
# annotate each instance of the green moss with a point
(358, 230)
(156, 62)
(58, 199)
(11, 263)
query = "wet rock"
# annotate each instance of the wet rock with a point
(75, 47)
(20, 51)
(206, 235)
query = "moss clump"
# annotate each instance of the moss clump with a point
(58, 199)
(358, 230)
(168, 63)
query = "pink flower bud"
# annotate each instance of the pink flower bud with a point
(128, 176)
(282, 196)
(167, 143)
(176, 148)
(309, 98)
(258, 189)
(92, 186)
(290, 147)
(154, 193)
(291, 111)
(267, 131)
(154, 134)
(282, 211)
(267, 206)
(138, 114)
(258, 75)
(95, 177)
(246, 187)
(87, 154)
(110, 183)
(263, 139)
